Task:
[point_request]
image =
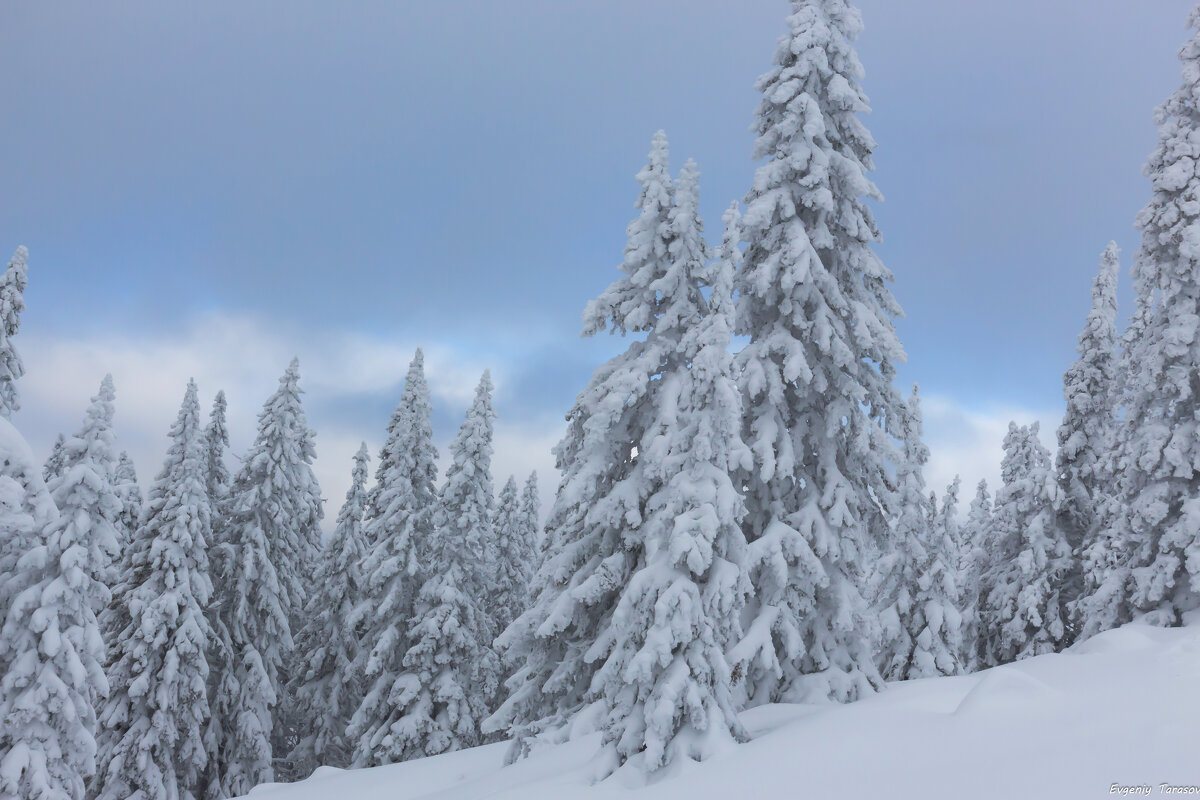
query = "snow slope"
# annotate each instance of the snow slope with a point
(1121, 708)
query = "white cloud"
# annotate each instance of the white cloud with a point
(968, 441)
(245, 357)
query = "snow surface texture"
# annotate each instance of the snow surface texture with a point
(1119, 708)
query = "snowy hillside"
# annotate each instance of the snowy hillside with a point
(1120, 708)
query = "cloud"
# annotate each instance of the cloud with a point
(968, 441)
(352, 380)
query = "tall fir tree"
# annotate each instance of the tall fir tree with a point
(85, 493)
(1145, 561)
(12, 303)
(155, 720)
(818, 371)
(587, 565)
(529, 532)
(436, 702)
(272, 536)
(325, 687)
(1023, 613)
(1086, 433)
(644, 611)
(517, 551)
(221, 674)
(937, 645)
(130, 495)
(53, 466)
(973, 566)
(904, 564)
(399, 521)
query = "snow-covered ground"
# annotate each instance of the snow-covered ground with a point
(1121, 708)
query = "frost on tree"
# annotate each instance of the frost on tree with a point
(325, 687)
(641, 595)
(974, 563)
(130, 495)
(936, 620)
(1148, 561)
(12, 303)
(53, 466)
(531, 529)
(222, 680)
(84, 491)
(515, 550)
(818, 371)
(436, 701)
(153, 745)
(272, 536)
(1024, 613)
(1085, 435)
(904, 564)
(51, 652)
(398, 526)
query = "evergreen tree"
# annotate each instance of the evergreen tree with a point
(902, 618)
(514, 560)
(529, 533)
(326, 688)
(1086, 431)
(975, 564)
(222, 673)
(586, 564)
(12, 303)
(51, 651)
(1145, 558)
(272, 536)
(937, 621)
(84, 491)
(438, 699)
(53, 467)
(154, 722)
(1023, 614)
(643, 594)
(818, 371)
(130, 495)
(399, 521)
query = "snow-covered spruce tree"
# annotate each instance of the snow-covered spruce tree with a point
(437, 701)
(1023, 614)
(937, 621)
(818, 371)
(529, 533)
(51, 642)
(12, 303)
(974, 564)
(130, 495)
(1086, 431)
(51, 652)
(272, 536)
(325, 688)
(221, 673)
(585, 564)
(84, 492)
(642, 595)
(155, 719)
(1148, 562)
(399, 521)
(115, 618)
(903, 563)
(516, 538)
(53, 465)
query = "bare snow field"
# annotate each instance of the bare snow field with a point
(1118, 711)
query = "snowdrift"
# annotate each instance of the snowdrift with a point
(1117, 711)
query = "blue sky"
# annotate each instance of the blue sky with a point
(209, 188)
